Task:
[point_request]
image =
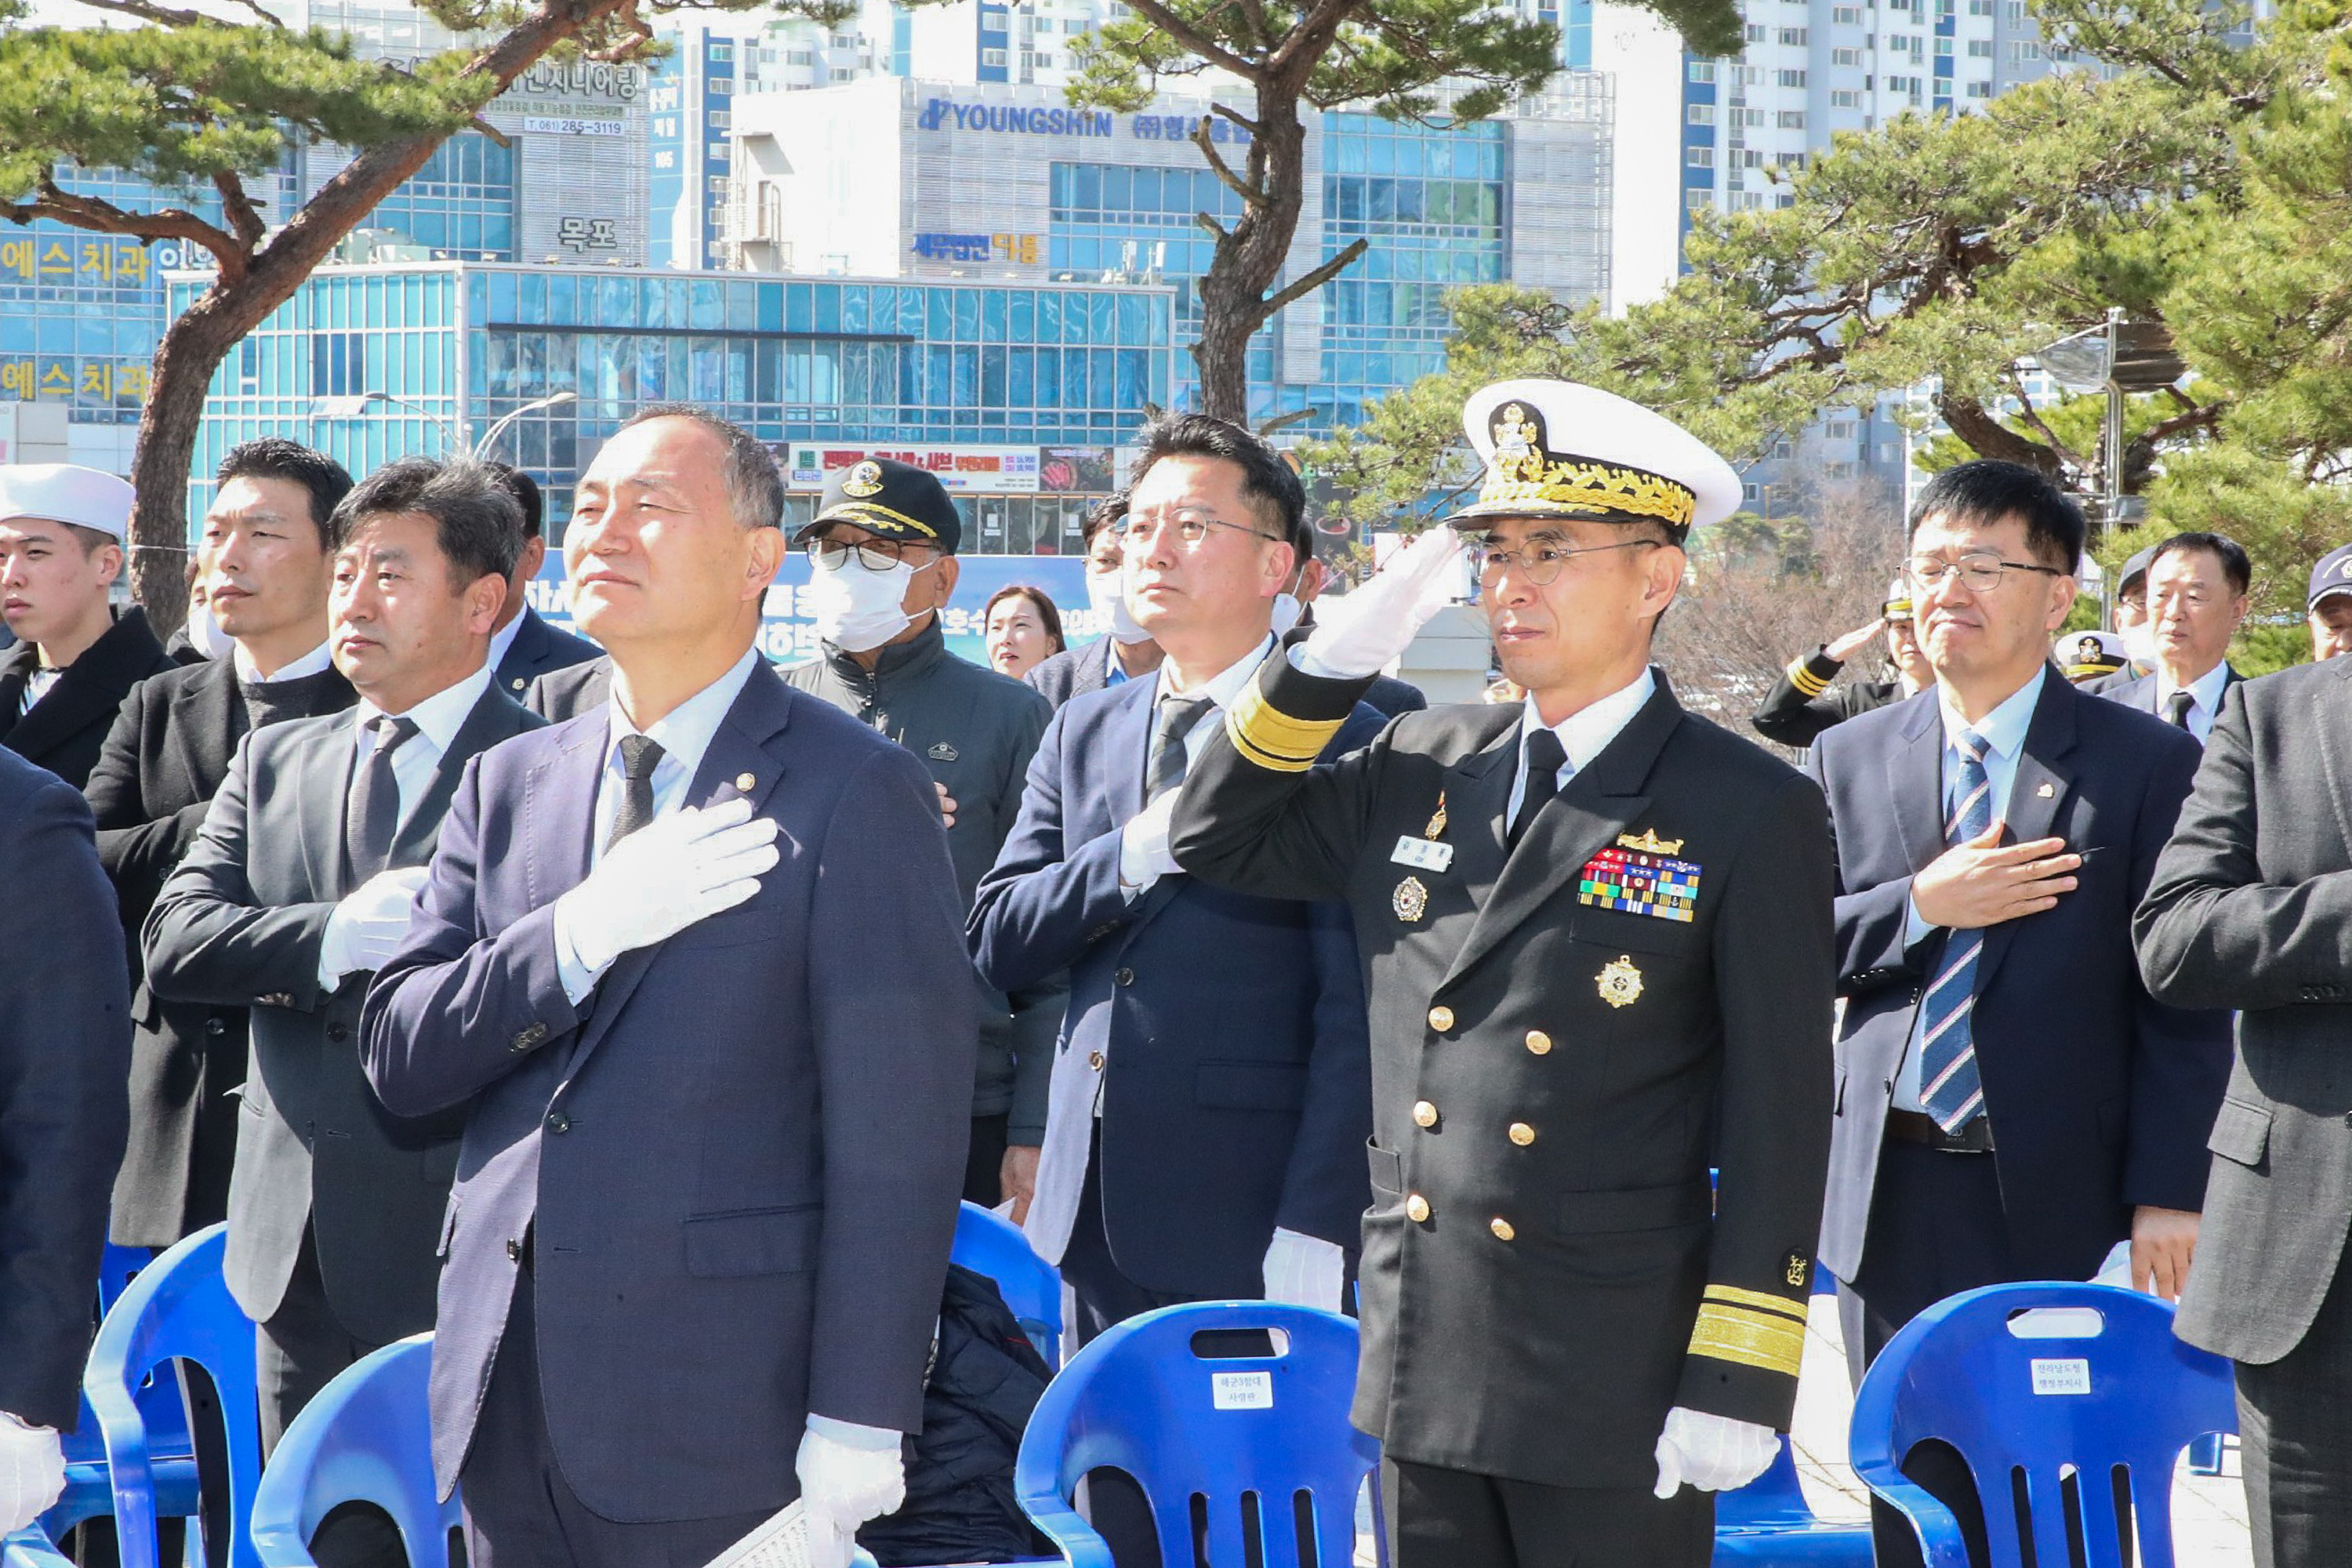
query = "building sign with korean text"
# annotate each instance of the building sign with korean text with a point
(987, 471)
(1022, 248)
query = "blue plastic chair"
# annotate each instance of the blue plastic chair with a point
(367, 1438)
(1768, 1521)
(2019, 1400)
(987, 1243)
(1251, 1437)
(178, 1308)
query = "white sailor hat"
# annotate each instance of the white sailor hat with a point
(1556, 449)
(66, 492)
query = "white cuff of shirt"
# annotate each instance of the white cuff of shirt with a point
(570, 970)
(850, 1435)
(1917, 928)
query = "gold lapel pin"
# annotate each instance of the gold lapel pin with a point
(2045, 790)
(745, 781)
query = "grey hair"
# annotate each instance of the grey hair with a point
(755, 487)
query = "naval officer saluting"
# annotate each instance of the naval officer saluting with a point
(1587, 922)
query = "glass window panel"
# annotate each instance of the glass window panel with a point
(562, 299)
(772, 307)
(828, 307)
(706, 309)
(1049, 378)
(653, 302)
(1021, 383)
(1105, 328)
(742, 307)
(1134, 320)
(965, 392)
(1022, 326)
(967, 314)
(800, 307)
(991, 315)
(854, 314)
(940, 317)
(1087, 186)
(1117, 189)
(532, 310)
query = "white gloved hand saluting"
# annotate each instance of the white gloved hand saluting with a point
(1713, 1452)
(32, 1472)
(1359, 633)
(843, 1486)
(1304, 1270)
(676, 869)
(365, 929)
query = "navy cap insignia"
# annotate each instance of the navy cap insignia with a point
(942, 752)
(1411, 899)
(1619, 981)
(864, 479)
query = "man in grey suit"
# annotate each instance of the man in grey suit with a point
(2198, 588)
(2251, 907)
(298, 887)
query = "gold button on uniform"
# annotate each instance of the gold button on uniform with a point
(1502, 1229)
(1538, 1042)
(1441, 1018)
(1424, 1113)
(1522, 1134)
(1094, 1060)
(745, 781)
(1416, 1208)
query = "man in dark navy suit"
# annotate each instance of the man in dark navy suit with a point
(2012, 1103)
(2197, 585)
(524, 646)
(64, 1049)
(708, 1188)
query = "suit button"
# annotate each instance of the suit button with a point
(1423, 1114)
(519, 682)
(1416, 1208)
(214, 1026)
(514, 1250)
(1094, 1060)
(1522, 1134)
(558, 1122)
(1125, 976)
(1538, 1042)
(526, 1038)
(338, 1033)
(1502, 1228)
(1441, 1018)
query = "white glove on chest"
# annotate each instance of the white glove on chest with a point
(367, 927)
(672, 872)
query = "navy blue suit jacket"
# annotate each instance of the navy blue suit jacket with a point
(538, 649)
(2101, 1097)
(737, 1159)
(1237, 1095)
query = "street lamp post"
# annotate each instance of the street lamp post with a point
(353, 405)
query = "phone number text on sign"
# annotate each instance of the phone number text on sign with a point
(561, 126)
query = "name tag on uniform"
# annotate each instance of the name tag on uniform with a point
(1423, 854)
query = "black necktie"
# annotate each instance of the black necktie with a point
(371, 815)
(1546, 757)
(1166, 768)
(640, 754)
(2180, 705)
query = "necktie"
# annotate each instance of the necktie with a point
(2176, 709)
(1165, 770)
(372, 815)
(1948, 1051)
(1546, 757)
(640, 754)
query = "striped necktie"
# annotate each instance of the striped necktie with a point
(1950, 1087)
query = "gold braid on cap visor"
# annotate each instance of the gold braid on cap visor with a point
(1579, 486)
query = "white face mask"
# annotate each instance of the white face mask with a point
(1105, 598)
(1287, 611)
(2139, 642)
(204, 634)
(855, 610)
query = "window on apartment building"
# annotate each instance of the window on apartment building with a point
(1747, 201)
(715, 150)
(1846, 57)
(801, 57)
(1702, 70)
(1980, 49)
(1943, 48)
(719, 86)
(2022, 50)
(1793, 78)
(1785, 199)
(1793, 38)
(1698, 198)
(1793, 161)
(721, 53)
(1791, 120)
(1845, 99)
(1979, 90)
(1846, 15)
(1748, 117)
(1758, 31)
(1699, 114)
(844, 41)
(844, 73)
(2015, 12)
(1839, 429)
(1751, 158)
(992, 56)
(720, 120)
(1698, 157)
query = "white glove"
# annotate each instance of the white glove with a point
(365, 927)
(1359, 633)
(842, 1487)
(32, 1472)
(660, 879)
(1713, 1452)
(1305, 1271)
(1143, 856)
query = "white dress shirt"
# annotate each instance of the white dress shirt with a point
(684, 734)
(1135, 859)
(315, 662)
(2205, 698)
(2002, 730)
(1583, 734)
(438, 719)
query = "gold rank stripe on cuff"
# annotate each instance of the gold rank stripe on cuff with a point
(1751, 1328)
(1274, 740)
(1801, 676)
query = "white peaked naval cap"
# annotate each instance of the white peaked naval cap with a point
(66, 492)
(1559, 448)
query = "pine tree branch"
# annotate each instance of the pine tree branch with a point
(1204, 45)
(1223, 170)
(172, 17)
(1292, 293)
(105, 217)
(243, 219)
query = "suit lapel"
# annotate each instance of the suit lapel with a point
(2045, 780)
(204, 708)
(1127, 744)
(1914, 779)
(494, 717)
(1600, 801)
(319, 773)
(2332, 738)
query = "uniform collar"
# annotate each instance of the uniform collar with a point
(1586, 734)
(311, 663)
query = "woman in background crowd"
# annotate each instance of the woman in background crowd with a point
(1022, 630)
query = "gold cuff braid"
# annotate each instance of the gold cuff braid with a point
(1274, 740)
(1738, 1325)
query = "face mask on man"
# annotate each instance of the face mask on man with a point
(204, 634)
(1105, 597)
(1286, 612)
(858, 610)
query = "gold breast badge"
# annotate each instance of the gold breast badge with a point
(1411, 899)
(1649, 842)
(1437, 828)
(1620, 983)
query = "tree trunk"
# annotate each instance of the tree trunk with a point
(1250, 255)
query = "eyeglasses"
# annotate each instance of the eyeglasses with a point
(1540, 563)
(1980, 573)
(833, 554)
(1191, 524)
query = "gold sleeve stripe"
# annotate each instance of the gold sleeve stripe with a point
(1274, 740)
(1805, 680)
(1752, 1339)
(1732, 1295)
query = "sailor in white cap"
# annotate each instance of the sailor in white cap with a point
(1594, 926)
(64, 530)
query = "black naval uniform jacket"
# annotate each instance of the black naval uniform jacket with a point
(1542, 1278)
(1800, 704)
